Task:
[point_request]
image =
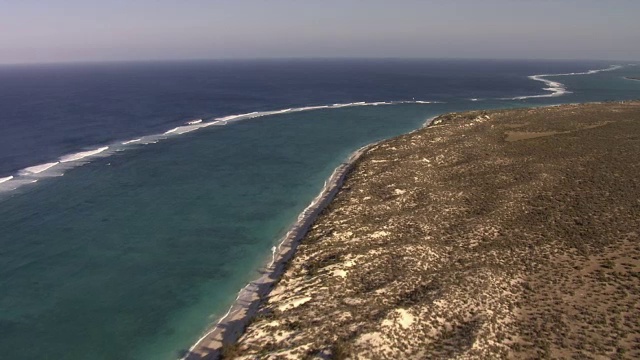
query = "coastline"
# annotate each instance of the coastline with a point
(461, 208)
(191, 306)
(230, 327)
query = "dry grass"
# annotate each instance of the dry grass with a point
(452, 242)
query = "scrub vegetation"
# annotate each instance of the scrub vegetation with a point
(502, 234)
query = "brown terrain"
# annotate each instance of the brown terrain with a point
(502, 234)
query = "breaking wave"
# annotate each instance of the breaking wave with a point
(81, 155)
(31, 174)
(556, 88)
(37, 169)
(131, 141)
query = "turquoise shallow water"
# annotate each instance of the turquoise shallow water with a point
(167, 227)
(131, 256)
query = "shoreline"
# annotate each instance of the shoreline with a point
(430, 249)
(230, 327)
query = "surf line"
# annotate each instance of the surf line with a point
(66, 162)
(557, 88)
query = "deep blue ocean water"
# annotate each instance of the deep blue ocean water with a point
(133, 254)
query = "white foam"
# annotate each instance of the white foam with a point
(235, 117)
(5, 179)
(214, 123)
(557, 88)
(184, 129)
(82, 155)
(589, 72)
(230, 117)
(307, 108)
(412, 102)
(315, 107)
(37, 168)
(360, 103)
(255, 114)
(27, 175)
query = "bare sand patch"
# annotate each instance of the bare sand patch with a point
(524, 135)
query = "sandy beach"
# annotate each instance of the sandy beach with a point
(231, 326)
(502, 234)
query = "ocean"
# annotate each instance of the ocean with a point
(137, 199)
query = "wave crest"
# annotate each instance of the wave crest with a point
(81, 155)
(30, 174)
(557, 88)
(37, 169)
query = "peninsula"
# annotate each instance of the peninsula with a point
(488, 234)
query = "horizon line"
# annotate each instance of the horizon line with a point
(294, 58)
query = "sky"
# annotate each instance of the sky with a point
(33, 31)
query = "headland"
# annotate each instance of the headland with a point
(509, 233)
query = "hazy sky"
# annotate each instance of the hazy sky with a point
(81, 30)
